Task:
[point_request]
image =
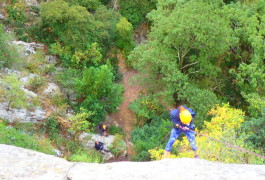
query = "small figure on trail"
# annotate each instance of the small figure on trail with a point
(103, 129)
(100, 147)
(182, 120)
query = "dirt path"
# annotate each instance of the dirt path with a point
(124, 118)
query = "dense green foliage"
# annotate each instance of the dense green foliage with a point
(8, 53)
(116, 130)
(200, 53)
(135, 11)
(150, 136)
(99, 92)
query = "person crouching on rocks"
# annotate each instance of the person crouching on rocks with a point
(103, 130)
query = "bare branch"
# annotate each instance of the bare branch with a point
(187, 65)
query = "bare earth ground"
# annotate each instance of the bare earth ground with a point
(124, 118)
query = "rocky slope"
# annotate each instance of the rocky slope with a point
(22, 164)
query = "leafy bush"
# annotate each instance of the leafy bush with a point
(9, 56)
(254, 131)
(17, 18)
(96, 107)
(37, 64)
(59, 100)
(62, 78)
(52, 127)
(225, 126)
(99, 91)
(149, 137)
(125, 35)
(256, 103)
(86, 156)
(118, 147)
(80, 122)
(11, 136)
(36, 83)
(146, 108)
(135, 11)
(11, 89)
(116, 130)
(91, 5)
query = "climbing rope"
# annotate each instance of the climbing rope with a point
(230, 145)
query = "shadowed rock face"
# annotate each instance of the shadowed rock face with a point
(19, 164)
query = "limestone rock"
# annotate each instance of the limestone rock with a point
(31, 2)
(183, 168)
(51, 59)
(29, 48)
(89, 139)
(22, 115)
(22, 164)
(52, 89)
(2, 17)
(33, 114)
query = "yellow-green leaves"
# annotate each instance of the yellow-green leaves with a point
(80, 122)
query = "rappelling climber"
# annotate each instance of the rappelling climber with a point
(182, 120)
(103, 129)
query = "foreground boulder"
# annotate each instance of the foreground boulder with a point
(22, 164)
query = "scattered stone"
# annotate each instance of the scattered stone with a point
(33, 14)
(2, 17)
(29, 48)
(22, 115)
(51, 59)
(58, 152)
(31, 2)
(51, 89)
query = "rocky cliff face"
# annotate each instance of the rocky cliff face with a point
(22, 164)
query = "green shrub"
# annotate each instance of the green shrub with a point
(11, 136)
(52, 127)
(59, 100)
(150, 136)
(86, 156)
(11, 90)
(80, 122)
(99, 91)
(124, 40)
(135, 11)
(36, 83)
(118, 147)
(146, 108)
(9, 56)
(116, 130)
(17, 18)
(36, 63)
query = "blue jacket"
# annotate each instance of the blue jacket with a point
(174, 115)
